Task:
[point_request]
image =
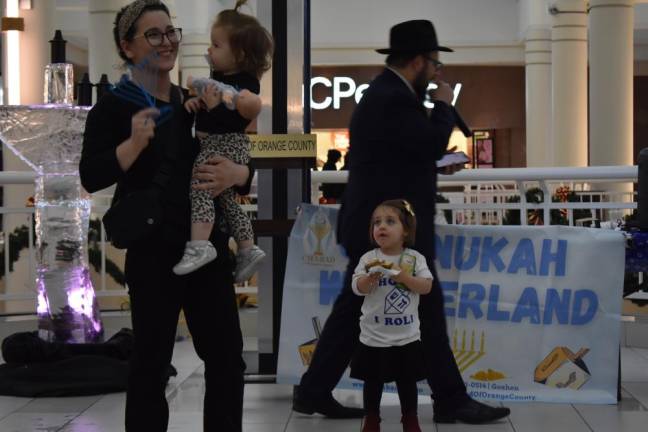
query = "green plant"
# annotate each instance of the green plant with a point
(536, 216)
(19, 240)
(446, 213)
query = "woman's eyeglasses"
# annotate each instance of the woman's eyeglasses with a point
(155, 38)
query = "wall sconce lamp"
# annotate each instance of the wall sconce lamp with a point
(13, 23)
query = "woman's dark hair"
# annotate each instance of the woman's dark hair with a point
(251, 44)
(406, 215)
(132, 29)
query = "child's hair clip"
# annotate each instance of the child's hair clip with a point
(408, 208)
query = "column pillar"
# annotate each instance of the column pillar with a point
(102, 53)
(173, 11)
(611, 82)
(192, 57)
(10, 51)
(538, 97)
(34, 53)
(569, 83)
(35, 50)
(198, 18)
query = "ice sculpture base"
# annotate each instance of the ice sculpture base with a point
(78, 321)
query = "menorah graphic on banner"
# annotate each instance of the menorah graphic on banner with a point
(466, 358)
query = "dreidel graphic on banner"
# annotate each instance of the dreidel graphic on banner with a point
(307, 349)
(561, 368)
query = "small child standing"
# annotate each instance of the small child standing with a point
(240, 52)
(391, 278)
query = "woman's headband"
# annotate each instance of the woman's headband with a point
(130, 15)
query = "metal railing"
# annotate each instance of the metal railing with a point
(476, 196)
(603, 190)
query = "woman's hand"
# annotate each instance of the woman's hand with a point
(211, 96)
(143, 126)
(220, 173)
(142, 130)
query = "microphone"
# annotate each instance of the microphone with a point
(459, 121)
(461, 124)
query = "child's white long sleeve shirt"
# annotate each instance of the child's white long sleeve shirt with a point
(390, 312)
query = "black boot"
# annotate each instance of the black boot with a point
(307, 403)
(469, 411)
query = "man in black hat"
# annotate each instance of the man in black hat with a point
(394, 146)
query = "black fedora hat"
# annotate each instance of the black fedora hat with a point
(416, 36)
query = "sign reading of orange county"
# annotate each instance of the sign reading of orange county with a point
(283, 146)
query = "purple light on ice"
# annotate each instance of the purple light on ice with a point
(42, 305)
(81, 297)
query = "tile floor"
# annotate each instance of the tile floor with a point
(268, 408)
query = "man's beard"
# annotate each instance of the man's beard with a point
(420, 84)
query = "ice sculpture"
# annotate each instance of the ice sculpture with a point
(59, 74)
(48, 138)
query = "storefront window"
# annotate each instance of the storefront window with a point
(483, 149)
(331, 139)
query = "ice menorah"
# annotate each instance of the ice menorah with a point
(48, 138)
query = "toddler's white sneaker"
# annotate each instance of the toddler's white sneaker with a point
(247, 261)
(197, 253)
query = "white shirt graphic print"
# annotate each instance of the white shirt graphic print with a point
(390, 312)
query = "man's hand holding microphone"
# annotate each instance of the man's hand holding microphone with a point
(443, 93)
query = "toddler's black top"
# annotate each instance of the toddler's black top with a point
(220, 119)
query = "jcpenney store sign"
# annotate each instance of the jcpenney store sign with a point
(342, 87)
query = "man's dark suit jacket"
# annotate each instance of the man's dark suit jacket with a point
(394, 146)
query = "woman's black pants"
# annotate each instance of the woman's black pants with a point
(207, 298)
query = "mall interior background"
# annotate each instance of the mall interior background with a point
(504, 72)
(494, 43)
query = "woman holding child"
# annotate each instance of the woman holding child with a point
(128, 144)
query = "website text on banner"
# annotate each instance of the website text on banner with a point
(533, 312)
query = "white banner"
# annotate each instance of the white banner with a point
(533, 312)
